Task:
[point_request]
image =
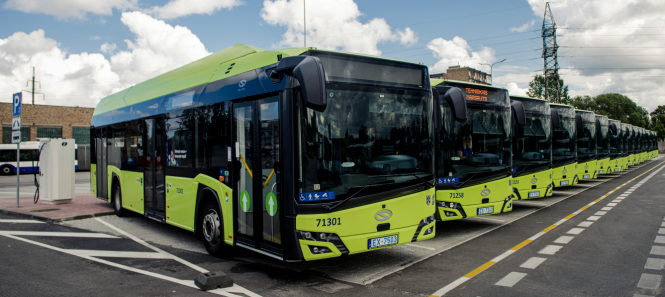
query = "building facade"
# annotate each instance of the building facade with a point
(466, 74)
(48, 121)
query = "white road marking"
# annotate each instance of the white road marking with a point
(564, 239)
(550, 249)
(606, 208)
(600, 213)
(511, 279)
(593, 218)
(655, 263)
(611, 204)
(585, 224)
(57, 234)
(649, 281)
(20, 221)
(451, 286)
(662, 224)
(533, 262)
(119, 254)
(503, 256)
(659, 239)
(575, 231)
(657, 250)
(420, 246)
(640, 295)
(661, 231)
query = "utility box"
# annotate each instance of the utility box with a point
(56, 171)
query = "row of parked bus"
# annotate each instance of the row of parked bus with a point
(303, 154)
(551, 145)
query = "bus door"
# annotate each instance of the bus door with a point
(256, 133)
(154, 164)
(101, 142)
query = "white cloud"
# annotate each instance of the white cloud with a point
(66, 9)
(458, 52)
(83, 79)
(513, 89)
(332, 25)
(108, 48)
(524, 27)
(179, 8)
(607, 37)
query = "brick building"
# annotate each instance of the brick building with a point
(48, 121)
(467, 74)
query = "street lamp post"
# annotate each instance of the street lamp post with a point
(492, 65)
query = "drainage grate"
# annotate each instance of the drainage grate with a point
(45, 210)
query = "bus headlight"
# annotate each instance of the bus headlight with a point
(319, 250)
(452, 205)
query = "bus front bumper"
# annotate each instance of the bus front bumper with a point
(564, 176)
(587, 170)
(604, 166)
(533, 185)
(469, 201)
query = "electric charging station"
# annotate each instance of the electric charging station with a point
(56, 171)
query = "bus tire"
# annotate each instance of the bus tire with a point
(6, 170)
(212, 227)
(117, 201)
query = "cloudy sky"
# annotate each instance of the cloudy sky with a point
(84, 50)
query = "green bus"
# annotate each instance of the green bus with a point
(617, 150)
(473, 150)
(639, 150)
(564, 146)
(603, 144)
(532, 149)
(587, 159)
(654, 144)
(629, 144)
(297, 154)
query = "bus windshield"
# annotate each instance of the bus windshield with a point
(532, 143)
(616, 141)
(603, 141)
(367, 136)
(564, 146)
(586, 138)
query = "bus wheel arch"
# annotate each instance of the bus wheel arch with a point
(116, 194)
(6, 170)
(210, 222)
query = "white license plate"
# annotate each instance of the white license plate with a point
(601, 172)
(534, 194)
(381, 241)
(586, 176)
(616, 169)
(563, 183)
(485, 210)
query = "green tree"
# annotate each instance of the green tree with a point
(615, 106)
(537, 89)
(658, 121)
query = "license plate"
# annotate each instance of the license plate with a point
(381, 241)
(563, 183)
(601, 172)
(485, 210)
(534, 194)
(586, 176)
(616, 169)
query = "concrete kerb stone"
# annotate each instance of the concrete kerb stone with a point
(53, 220)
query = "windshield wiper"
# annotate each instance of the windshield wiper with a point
(470, 178)
(527, 166)
(330, 208)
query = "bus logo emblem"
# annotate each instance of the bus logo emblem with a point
(534, 180)
(485, 192)
(242, 83)
(383, 215)
(564, 171)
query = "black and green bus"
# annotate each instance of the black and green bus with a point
(617, 152)
(603, 144)
(564, 146)
(532, 149)
(654, 144)
(629, 144)
(473, 150)
(587, 159)
(297, 154)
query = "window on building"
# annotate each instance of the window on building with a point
(81, 135)
(49, 132)
(7, 134)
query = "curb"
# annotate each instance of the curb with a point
(54, 220)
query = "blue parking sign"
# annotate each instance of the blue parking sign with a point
(16, 104)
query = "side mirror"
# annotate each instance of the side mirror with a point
(457, 101)
(579, 122)
(518, 112)
(556, 121)
(437, 111)
(309, 73)
(613, 129)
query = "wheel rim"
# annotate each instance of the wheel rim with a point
(116, 199)
(211, 227)
(6, 170)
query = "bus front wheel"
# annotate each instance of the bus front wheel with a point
(213, 231)
(6, 170)
(117, 201)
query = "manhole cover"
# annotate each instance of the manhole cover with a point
(45, 210)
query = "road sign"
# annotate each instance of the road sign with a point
(16, 123)
(271, 204)
(16, 104)
(16, 136)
